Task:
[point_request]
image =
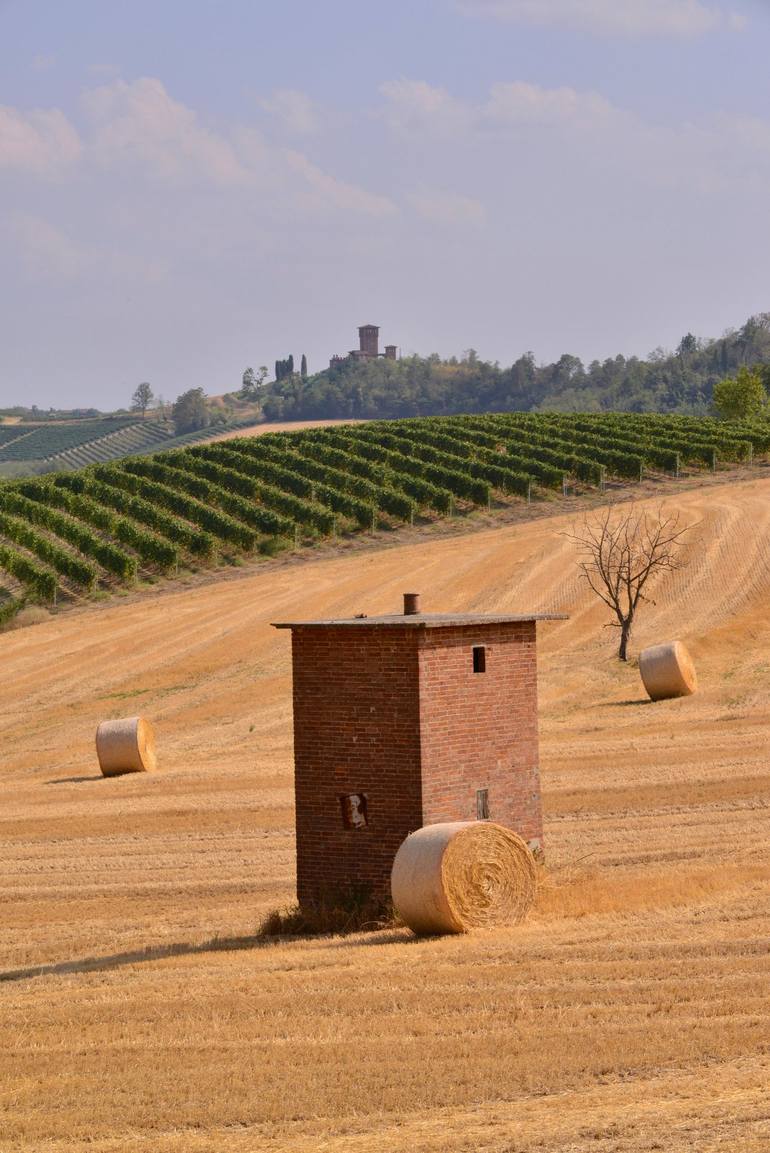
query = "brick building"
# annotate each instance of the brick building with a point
(403, 721)
(368, 347)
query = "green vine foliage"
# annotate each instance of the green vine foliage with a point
(64, 534)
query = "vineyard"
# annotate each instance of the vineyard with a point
(32, 448)
(66, 534)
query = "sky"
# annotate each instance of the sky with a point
(188, 187)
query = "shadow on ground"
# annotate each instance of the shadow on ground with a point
(187, 948)
(137, 956)
(75, 780)
(627, 704)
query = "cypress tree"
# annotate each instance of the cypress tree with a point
(303, 367)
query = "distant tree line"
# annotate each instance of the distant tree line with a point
(284, 368)
(680, 381)
(33, 414)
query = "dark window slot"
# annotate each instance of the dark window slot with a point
(479, 659)
(482, 804)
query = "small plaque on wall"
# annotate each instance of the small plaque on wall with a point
(354, 811)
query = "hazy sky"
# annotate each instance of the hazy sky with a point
(191, 186)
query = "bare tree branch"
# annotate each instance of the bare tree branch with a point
(621, 550)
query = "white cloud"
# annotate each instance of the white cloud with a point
(521, 103)
(420, 111)
(447, 208)
(612, 17)
(41, 142)
(139, 130)
(411, 105)
(140, 123)
(293, 110)
(348, 197)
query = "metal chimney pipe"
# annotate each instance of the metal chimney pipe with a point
(411, 604)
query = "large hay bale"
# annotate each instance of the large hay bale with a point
(126, 746)
(667, 671)
(462, 875)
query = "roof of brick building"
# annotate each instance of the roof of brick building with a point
(424, 620)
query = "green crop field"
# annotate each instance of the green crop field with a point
(29, 449)
(67, 534)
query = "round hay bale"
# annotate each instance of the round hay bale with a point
(125, 746)
(667, 671)
(463, 875)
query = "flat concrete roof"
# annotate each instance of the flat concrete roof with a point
(424, 621)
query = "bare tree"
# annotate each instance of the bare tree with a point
(142, 398)
(620, 551)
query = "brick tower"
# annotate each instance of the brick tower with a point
(403, 721)
(369, 339)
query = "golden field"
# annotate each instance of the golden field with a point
(138, 1012)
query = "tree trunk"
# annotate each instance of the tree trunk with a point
(625, 632)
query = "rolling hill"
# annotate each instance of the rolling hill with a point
(30, 449)
(68, 535)
(630, 1012)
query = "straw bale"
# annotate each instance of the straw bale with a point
(450, 878)
(667, 671)
(126, 746)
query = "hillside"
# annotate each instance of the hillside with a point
(679, 381)
(74, 534)
(29, 449)
(629, 1013)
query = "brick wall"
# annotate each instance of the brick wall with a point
(398, 716)
(479, 729)
(356, 730)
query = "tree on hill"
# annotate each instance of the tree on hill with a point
(142, 398)
(620, 551)
(740, 397)
(252, 382)
(688, 345)
(303, 367)
(190, 411)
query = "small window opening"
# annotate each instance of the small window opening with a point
(479, 659)
(355, 813)
(482, 804)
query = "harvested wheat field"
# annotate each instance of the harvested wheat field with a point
(628, 1013)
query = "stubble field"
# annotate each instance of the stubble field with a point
(139, 1013)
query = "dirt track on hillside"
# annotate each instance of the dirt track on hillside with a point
(630, 1013)
(280, 426)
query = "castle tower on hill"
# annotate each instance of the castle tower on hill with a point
(368, 347)
(369, 340)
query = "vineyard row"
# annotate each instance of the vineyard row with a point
(67, 533)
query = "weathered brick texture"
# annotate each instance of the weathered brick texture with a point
(399, 716)
(479, 730)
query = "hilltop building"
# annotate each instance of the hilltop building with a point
(368, 347)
